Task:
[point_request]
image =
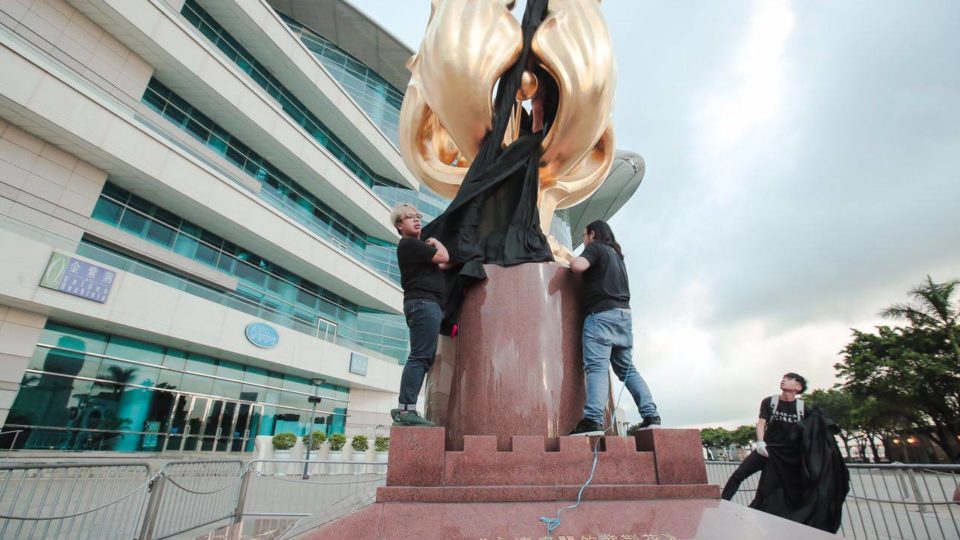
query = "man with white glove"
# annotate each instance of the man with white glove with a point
(762, 449)
(778, 414)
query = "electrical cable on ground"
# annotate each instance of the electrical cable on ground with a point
(554, 522)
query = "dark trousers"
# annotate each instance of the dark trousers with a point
(751, 465)
(423, 320)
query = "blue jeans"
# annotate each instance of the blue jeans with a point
(423, 320)
(608, 340)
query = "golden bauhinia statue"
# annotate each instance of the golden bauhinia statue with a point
(566, 91)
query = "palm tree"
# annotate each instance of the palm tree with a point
(933, 308)
(117, 378)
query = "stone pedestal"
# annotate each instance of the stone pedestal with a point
(651, 486)
(515, 369)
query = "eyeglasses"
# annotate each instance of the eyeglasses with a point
(418, 217)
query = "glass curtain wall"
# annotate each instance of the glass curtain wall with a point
(378, 98)
(88, 390)
(277, 188)
(262, 283)
(293, 107)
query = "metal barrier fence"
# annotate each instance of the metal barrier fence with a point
(123, 500)
(110, 500)
(72, 500)
(192, 494)
(331, 489)
(13, 440)
(886, 501)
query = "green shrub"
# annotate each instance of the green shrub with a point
(319, 438)
(337, 441)
(284, 441)
(360, 443)
(381, 444)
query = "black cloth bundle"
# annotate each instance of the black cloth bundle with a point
(806, 480)
(494, 217)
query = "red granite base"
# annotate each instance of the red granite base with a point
(595, 492)
(698, 519)
(650, 487)
(660, 463)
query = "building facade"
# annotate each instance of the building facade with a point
(194, 214)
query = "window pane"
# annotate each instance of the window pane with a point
(198, 363)
(107, 211)
(132, 349)
(133, 222)
(161, 234)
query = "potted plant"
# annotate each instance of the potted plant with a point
(337, 442)
(282, 443)
(360, 445)
(315, 442)
(382, 447)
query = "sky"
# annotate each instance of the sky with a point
(803, 173)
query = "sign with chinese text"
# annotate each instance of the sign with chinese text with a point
(78, 278)
(262, 335)
(358, 364)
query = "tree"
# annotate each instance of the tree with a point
(933, 309)
(909, 376)
(116, 378)
(715, 437)
(744, 435)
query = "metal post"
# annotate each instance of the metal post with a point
(917, 494)
(153, 509)
(16, 435)
(313, 415)
(242, 496)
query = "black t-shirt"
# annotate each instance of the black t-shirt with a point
(780, 423)
(605, 283)
(419, 276)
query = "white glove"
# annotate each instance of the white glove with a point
(762, 449)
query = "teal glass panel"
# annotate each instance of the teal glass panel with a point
(83, 341)
(339, 420)
(255, 375)
(197, 384)
(104, 414)
(107, 211)
(114, 374)
(174, 359)
(253, 393)
(227, 389)
(133, 349)
(198, 363)
(230, 370)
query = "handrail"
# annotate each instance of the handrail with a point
(16, 435)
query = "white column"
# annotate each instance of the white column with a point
(19, 332)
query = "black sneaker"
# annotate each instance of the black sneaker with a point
(650, 422)
(409, 418)
(587, 428)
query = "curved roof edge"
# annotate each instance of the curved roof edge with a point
(622, 182)
(354, 32)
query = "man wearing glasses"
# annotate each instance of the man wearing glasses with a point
(420, 264)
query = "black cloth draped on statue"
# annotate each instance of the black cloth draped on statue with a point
(494, 217)
(805, 479)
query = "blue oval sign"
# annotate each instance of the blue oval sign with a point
(262, 335)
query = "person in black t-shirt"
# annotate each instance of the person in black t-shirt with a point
(773, 429)
(607, 330)
(421, 262)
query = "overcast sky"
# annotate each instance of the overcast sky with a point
(803, 172)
